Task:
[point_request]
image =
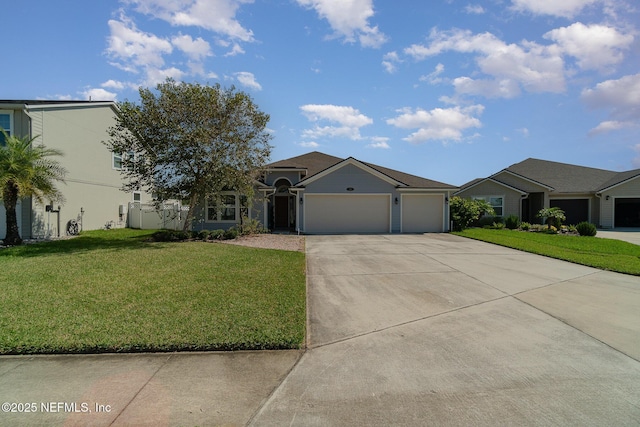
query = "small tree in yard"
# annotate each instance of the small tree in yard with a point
(191, 142)
(552, 216)
(466, 211)
(26, 170)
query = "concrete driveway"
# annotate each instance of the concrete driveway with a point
(441, 330)
(631, 235)
(403, 330)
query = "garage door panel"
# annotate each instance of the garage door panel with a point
(627, 212)
(347, 213)
(575, 210)
(422, 213)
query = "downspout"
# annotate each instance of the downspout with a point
(599, 196)
(525, 197)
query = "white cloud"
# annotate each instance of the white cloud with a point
(132, 48)
(610, 126)
(621, 97)
(349, 19)
(528, 65)
(113, 84)
(196, 49)
(379, 142)
(344, 121)
(594, 46)
(215, 15)
(235, 50)
(248, 79)
(309, 144)
(442, 124)
(97, 94)
(564, 8)
(389, 61)
(433, 77)
(474, 9)
(158, 75)
(504, 88)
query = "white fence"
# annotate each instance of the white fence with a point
(149, 217)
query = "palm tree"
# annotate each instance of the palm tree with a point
(26, 170)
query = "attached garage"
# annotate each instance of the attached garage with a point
(422, 213)
(347, 213)
(627, 212)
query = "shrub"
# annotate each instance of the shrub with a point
(512, 222)
(216, 234)
(552, 216)
(203, 234)
(170, 235)
(230, 234)
(551, 230)
(586, 229)
(537, 227)
(489, 221)
(497, 226)
(465, 211)
(250, 226)
(525, 226)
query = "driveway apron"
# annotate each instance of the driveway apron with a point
(442, 330)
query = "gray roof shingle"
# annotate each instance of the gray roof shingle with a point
(563, 177)
(316, 162)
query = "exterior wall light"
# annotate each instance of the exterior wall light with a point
(301, 200)
(396, 201)
(607, 198)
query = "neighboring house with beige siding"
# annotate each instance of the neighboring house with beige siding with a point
(606, 198)
(92, 192)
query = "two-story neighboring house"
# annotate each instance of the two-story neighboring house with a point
(320, 193)
(93, 183)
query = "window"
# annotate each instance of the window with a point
(137, 196)
(5, 123)
(496, 202)
(225, 211)
(117, 159)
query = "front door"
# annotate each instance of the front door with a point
(282, 212)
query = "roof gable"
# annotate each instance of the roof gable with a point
(477, 181)
(354, 162)
(316, 162)
(619, 179)
(562, 177)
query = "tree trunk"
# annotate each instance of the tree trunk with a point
(10, 199)
(192, 205)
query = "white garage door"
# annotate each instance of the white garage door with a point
(352, 213)
(422, 213)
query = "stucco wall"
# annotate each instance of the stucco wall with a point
(92, 184)
(512, 204)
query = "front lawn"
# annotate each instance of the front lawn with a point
(607, 254)
(114, 291)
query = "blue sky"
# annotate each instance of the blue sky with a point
(448, 90)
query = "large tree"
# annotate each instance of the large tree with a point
(26, 170)
(189, 141)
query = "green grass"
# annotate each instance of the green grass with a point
(606, 254)
(114, 291)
